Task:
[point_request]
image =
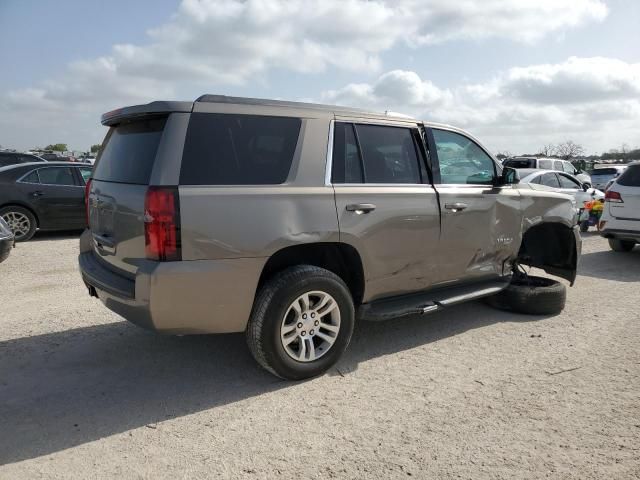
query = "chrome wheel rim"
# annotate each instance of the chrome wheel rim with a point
(18, 223)
(310, 326)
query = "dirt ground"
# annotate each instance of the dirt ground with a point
(466, 393)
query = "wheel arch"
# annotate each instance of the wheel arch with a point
(553, 247)
(339, 258)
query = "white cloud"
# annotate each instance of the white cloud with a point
(595, 101)
(209, 43)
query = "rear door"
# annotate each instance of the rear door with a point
(385, 203)
(119, 184)
(481, 223)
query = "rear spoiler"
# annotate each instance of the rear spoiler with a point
(116, 116)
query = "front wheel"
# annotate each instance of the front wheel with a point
(301, 323)
(621, 245)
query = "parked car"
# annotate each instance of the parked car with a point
(288, 221)
(14, 158)
(88, 159)
(7, 240)
(37, 196)
(548, 164)
(620, 222)
(561, 182)
(603, 175)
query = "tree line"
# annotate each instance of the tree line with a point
(569, 150)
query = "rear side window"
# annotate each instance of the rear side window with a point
(31, 178)
(520, 163)
(347, 162)
(630, 177)
(605, 171)
(224, 149)
(128, 152)
(557, 165)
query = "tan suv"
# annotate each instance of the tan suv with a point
(289, 221)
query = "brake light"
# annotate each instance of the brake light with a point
(87, 189)
(611, 196)
(162, 224)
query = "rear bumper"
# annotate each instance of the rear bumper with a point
(200, 296)
(621, 234)
(620, 228)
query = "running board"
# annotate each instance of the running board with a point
(429, 301)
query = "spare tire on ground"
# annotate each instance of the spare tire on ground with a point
(531, 295)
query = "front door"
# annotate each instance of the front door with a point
(386, 207)
(481, 223)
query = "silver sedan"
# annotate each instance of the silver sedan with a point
(560, 182)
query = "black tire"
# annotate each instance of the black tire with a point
(584, 226)
(5, 213)
(531, 295)
(621, 245)
(270, 307)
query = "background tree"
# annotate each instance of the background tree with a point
(504, 154)
(548, 150)
(95, 148)
(57, 147)
(569, 149)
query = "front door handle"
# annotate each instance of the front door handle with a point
(37, 193)
(455, 207)
(360, 208)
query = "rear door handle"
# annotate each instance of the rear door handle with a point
(361, 208)
(455, 207)
(37, 193)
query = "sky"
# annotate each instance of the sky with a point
(518, 74)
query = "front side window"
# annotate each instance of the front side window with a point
(567, 167)
(550, 180)
(57, 176)
(566, 182)
(229, 149)
(461, 160)
(557, 165)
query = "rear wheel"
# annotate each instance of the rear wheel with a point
(621, 245)
(21, 222)
(301, 323)
(531, 295)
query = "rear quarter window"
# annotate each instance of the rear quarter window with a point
(630, 177)
(129, 151)
(227, 149)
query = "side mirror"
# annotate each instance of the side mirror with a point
(585, 187)
(509, 177)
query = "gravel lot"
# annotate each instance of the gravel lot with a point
(466, 393)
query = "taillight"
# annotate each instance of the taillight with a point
(87, 190)
(162, 224)
(611, 196)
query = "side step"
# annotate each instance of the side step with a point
(429, 301)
